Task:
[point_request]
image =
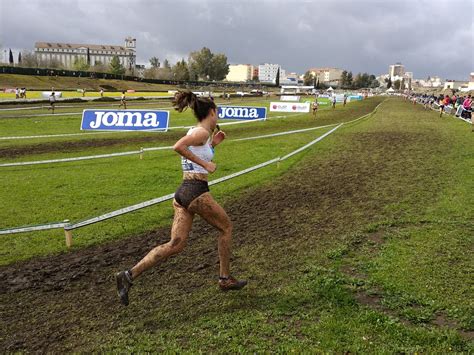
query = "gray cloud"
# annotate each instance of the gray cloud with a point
(428, 37)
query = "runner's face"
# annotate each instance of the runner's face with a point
(213, 117)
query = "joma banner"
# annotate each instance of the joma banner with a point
(125, 120)
(241, 113)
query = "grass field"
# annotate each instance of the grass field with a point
(363, 243)
(76, 190)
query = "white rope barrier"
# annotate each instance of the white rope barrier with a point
(68, 227)
(89, 157)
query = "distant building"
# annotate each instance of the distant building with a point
(470, 86)
(66, 53)
(290, 78)
(454, 84)
(267, 72)
(240, 73)
(396, 71)
(328, 76)
(431, 82)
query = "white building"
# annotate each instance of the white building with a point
(66, 53)
(328, 76)
(267, 72)
(431, 82)
(240, 72)
(470, 86)
(396, 71)
(454, 84)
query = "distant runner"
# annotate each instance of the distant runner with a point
(123, 101)
(52, 101)
(315, 106)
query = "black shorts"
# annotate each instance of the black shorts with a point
(189, 190)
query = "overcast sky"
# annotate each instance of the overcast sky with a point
(429, 37)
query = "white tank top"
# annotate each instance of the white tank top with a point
(205, 152)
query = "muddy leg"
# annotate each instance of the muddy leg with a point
(215, 215)
(182, 223)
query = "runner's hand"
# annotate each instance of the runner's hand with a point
(218, 138)
(211, 167)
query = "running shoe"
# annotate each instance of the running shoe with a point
(230, 283)
(124, 282)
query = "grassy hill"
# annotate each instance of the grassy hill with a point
(73, 83)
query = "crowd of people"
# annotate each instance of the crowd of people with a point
(458, 105)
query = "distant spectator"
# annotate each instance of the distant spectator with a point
(83, 92)
(453, 100)
(17, 93)
(345, 100)
(467, 108)
(52, 101)
(101, 92)
(122, 101)
(334, 102)
(315, 106)
(444, 102)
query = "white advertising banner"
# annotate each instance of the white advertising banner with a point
(289, 107)
(289, 98)
(46, 94)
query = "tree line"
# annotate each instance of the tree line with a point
(346, 81)
(201, 65)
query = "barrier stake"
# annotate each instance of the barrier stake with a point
(68, 238)
(141, 153)
(68, 234)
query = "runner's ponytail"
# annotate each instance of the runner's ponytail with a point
(200, 106)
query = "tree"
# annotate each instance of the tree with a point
(19, 58)
(373, 82)
(396, 84)
(151, 73)
(154, 62)
(402, 84)
(205, 65)
(99, 67)
(200, 64)
(180, 70)
(164, 73)
(80, 64)
(166, 64)
(116, 67)
(10, 59)
(219, 67)
(308, 79)
(277, 79)
(389, 82)
(29, 60)
(349, 80)
(51, 64)
(343, 79)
